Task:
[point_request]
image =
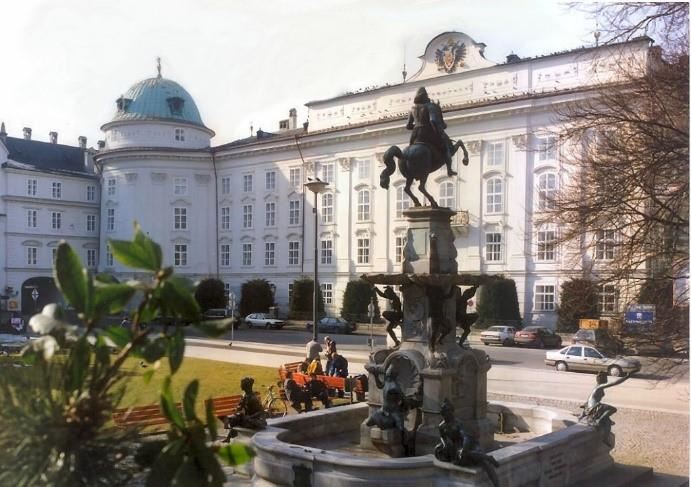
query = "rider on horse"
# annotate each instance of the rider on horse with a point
(427, 124)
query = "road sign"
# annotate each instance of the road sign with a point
(639, 318)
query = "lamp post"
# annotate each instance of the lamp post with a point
(316, 186)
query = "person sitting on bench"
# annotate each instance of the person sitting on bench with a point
(317, 389)
(296, 395)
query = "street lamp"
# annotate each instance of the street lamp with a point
(317, 186)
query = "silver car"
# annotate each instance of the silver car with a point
(263, 320)
(590, 359)
(498, 335)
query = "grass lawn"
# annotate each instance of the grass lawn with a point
(215, 379)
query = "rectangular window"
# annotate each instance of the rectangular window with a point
(110, 219)
(56, 220)
(91, 193)
(270, 214)
(495, 154)
(225, 255)
(328, 174)
(109, 257)
(363, 207)
(180, 135)
(546, 244)
(544, 298)
(180, 218)
(247, 254)
(327, 251)
(180, 255)
(31, 185)
(546, 148)
(247, 183)
(91, 258)
(290, 292)
(57, 190)
(225, 185)
(608, 299)
(493, 247)
(111, 186)
(363, 169)
(327, 208)
(294, 212)
(402, 201)
(90, 223)
(495, 195)
(225, 218)
(54, 254)
(295, 177)
(31, 218)
(31, 255)
(398, 251)
(363, 250)
(247, 216)
(294, 252)
(180, 186)
(604, 246)
(270, 177)
(327, 289)
(269, 253)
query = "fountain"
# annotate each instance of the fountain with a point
(390, 439)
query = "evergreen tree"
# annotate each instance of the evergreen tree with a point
(302, 298)
(498, 304)
(579, 298)
(356, 299)
(210, 293)
(256, 297)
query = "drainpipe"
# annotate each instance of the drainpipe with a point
(213, 163)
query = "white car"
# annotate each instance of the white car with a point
(590, 359)
(498, 335)
(263, 320)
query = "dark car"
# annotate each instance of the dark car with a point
(331, 324)
(221, 314)
(537, 336)
(599, 338)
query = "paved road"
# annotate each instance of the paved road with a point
(507, 375)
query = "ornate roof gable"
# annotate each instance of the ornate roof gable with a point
(451, 52)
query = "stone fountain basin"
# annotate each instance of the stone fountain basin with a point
(541, 446)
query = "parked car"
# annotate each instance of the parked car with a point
(221, 314)
(590, 359)
(263, 320)
(332, 324)
(498, 335)
(537, 336)
(598, 338)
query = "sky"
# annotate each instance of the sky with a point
(64, 63)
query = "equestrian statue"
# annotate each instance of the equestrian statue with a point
(430, 148)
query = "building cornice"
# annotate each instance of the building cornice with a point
(48, 201)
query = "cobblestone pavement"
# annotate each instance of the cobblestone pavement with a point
(646, 438)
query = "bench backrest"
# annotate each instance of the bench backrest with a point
(226, 405)
(150, 415)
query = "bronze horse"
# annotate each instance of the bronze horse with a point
(416, 161)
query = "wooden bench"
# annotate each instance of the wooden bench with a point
(224, 405)
(143, 416)
(355, 386)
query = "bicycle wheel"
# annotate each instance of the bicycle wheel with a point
(277, 408)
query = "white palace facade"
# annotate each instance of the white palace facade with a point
(239, 211)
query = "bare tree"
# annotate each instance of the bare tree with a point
(625, 205)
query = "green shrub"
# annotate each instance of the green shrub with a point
(210, 294)
(578, 300)
(497, 304)
(256, 297)
(356, 299)
(56, 413)
(302, 298)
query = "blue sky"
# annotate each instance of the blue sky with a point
(244, 63)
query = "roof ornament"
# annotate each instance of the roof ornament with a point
(404, 72)
(158, 67)
(596, 34)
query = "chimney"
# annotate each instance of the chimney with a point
(101, 144)
(293, 116)
(3, 133)
(82, 142)
(53, 137)
(512, 58)
(27, 133)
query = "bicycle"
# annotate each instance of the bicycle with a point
(274, 405)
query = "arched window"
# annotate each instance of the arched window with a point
(495, 195)
(363, 205)
(402, 201)
(546, 191)
(447, 195)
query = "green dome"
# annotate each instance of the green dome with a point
(157, 99)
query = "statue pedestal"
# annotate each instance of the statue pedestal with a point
(429, 247)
